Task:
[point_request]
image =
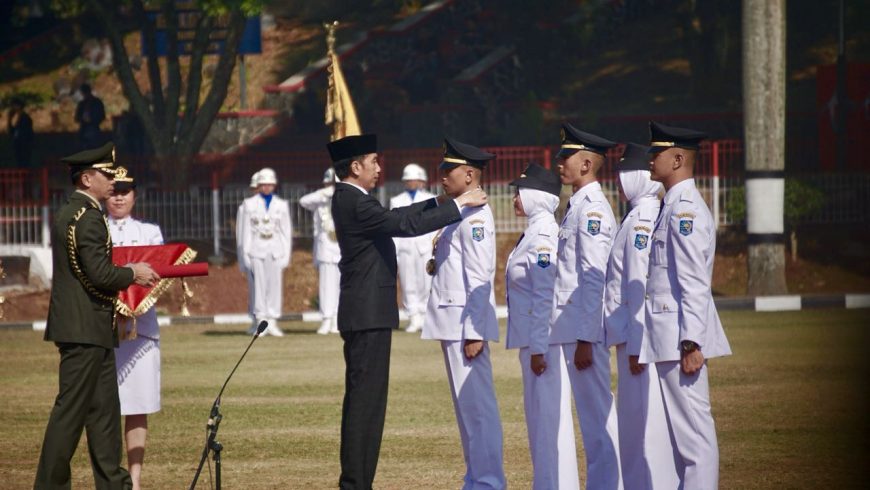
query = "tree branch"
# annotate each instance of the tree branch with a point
(173, 72)
(121, 62)
(150, 48)
(220, 82)
(194, 74)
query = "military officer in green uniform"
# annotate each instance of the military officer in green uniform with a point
(84, 288)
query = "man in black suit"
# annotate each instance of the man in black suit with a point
(367, 308)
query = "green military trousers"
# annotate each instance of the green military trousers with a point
(87, 398)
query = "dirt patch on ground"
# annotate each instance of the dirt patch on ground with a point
(832, 260)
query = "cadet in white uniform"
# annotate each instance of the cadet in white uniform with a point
(585, 237)
(645, 451)
(267, 242)
(137, 360)
(412, 253)
(247, 273)
(682, 328)
(461, 314)
(326, 251)
(530, 277)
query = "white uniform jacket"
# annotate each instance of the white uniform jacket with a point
(585, 237)
(462, 301)
(529, 279)
(679, 299)
(626, 276)
(319, 202)
(266, 233)
(419, 245)
(130, 232)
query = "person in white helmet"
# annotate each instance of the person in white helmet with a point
(326, 251)
(267, 243)
(412, 253)
(252, 188)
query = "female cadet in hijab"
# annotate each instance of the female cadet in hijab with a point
(530, 279)
(646, 455)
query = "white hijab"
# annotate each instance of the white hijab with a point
(537, 202)
(637, 185)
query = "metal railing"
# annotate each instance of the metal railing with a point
(208, 212)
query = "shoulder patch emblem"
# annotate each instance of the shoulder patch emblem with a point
(543, 259)
(594, 214)
(593, 226)
(477, 233)
(686, 226)
(641, 241)
(642, 228)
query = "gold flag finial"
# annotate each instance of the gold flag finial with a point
(340, 111)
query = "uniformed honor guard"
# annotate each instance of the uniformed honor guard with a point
(367, 309)
(645, 451)
(585, 237)
(682, 328)
(267, 245)
(461, 315)
(84, 288)
(240, 217)
(137, 358)
(412, 253)
(326, 251)
(530, 278)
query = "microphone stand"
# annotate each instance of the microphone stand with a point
(214, 422)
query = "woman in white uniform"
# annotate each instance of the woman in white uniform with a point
(530, 279)
(137, 360)
(645, 451)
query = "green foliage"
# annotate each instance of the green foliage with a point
(801, 199)
(29, 97)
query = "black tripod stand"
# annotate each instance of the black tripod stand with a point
(214, 422)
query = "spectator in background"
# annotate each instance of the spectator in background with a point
(90, 112)
(21, 131)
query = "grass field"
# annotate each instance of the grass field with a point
(791, 407)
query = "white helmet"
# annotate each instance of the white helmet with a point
(329, 176)
(266, 176)
(413, 171)
(255, 179)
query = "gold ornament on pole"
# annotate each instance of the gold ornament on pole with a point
(340, 111)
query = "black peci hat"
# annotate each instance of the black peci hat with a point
(457, 153)
(634, 157)
(537, 177)
(574, 140)
(662, 137)
(352, 146)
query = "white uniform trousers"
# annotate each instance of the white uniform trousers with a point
(267, 288)
(596, 411)
(328, 289)
(477, 416)
(416, 283)
(250, 278)
(687, 405)
(645, 450)
(550, 423)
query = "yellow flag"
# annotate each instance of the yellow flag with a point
(340, 112)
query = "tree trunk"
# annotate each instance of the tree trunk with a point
(764, 129)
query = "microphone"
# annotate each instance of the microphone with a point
(215, 417)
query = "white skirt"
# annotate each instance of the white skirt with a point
(137, 363)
